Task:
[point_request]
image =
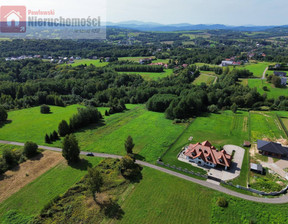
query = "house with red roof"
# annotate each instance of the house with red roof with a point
(205, 154)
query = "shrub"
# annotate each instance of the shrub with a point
(222, 202)
(44, 109)
(30, 149)
(213, 108)
(10, 158)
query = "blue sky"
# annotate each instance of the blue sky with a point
(228, 12)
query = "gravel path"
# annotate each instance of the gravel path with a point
(280, 200)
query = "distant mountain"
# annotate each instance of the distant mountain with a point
(150, 26)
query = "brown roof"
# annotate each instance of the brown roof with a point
(208, 153)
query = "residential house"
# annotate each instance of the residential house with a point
(272, 149)
(204, 154)
(280, 74)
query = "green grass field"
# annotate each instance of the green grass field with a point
(34, 196)
(161, 198)
(265, 125)
(88, 62)
(208, 79)
(134, 59)
(256, 68)
(31, 125)
(259, 84)
(151, 75)
(219, 129)
(152, 133)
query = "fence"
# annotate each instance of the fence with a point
(283, 191)
(282, 125)
(183, 170)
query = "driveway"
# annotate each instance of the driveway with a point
(277, 167)
(236, 164)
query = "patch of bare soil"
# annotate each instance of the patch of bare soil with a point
(26, 172)
(253, 150)
(283, 141)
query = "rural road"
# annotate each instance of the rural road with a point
(280, 200)
(264, 73)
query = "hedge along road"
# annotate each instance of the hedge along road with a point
(280, 200)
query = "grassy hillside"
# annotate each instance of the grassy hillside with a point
(265, 125)
(88, 62)
(34, 196)
(219, 129)
(31, 125)
(208, 79)
(152, 133)
(151, 75)
(256, 68)
(259, 84)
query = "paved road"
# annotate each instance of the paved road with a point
(264, 73)
(280, 200)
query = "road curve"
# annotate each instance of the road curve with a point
(280, 200)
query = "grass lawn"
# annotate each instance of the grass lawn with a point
(10, 147)
(31, 125)
(259, 84)
(161, 198)
(219, 129)
(151, 75)
(152, 133)
(34, 196)
(88, 62)
(256, 68)
(265, 125)
(242, 211)
(208, 79)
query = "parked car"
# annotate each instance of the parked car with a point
(90, 154)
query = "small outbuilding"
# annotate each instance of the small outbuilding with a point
(247, 144)
(257, 168)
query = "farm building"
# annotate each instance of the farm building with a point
(257, 168)
(272, 149)
(205, 154)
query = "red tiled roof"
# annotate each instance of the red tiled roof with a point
(208, 153)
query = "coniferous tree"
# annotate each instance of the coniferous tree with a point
(129, 145)
(47, 139)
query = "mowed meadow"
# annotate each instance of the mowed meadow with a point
(151, 131)
(30, 125)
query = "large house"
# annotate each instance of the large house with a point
(205, 154)
(272, 149)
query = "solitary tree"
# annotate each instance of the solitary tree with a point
(30, 149)
(63, 128)
(234, 108)
(3, 114)
(129, 145)
(95, 181)
(70, 149)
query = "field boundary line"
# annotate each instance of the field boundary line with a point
(170, 146)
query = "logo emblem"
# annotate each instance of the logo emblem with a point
(13, 19)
